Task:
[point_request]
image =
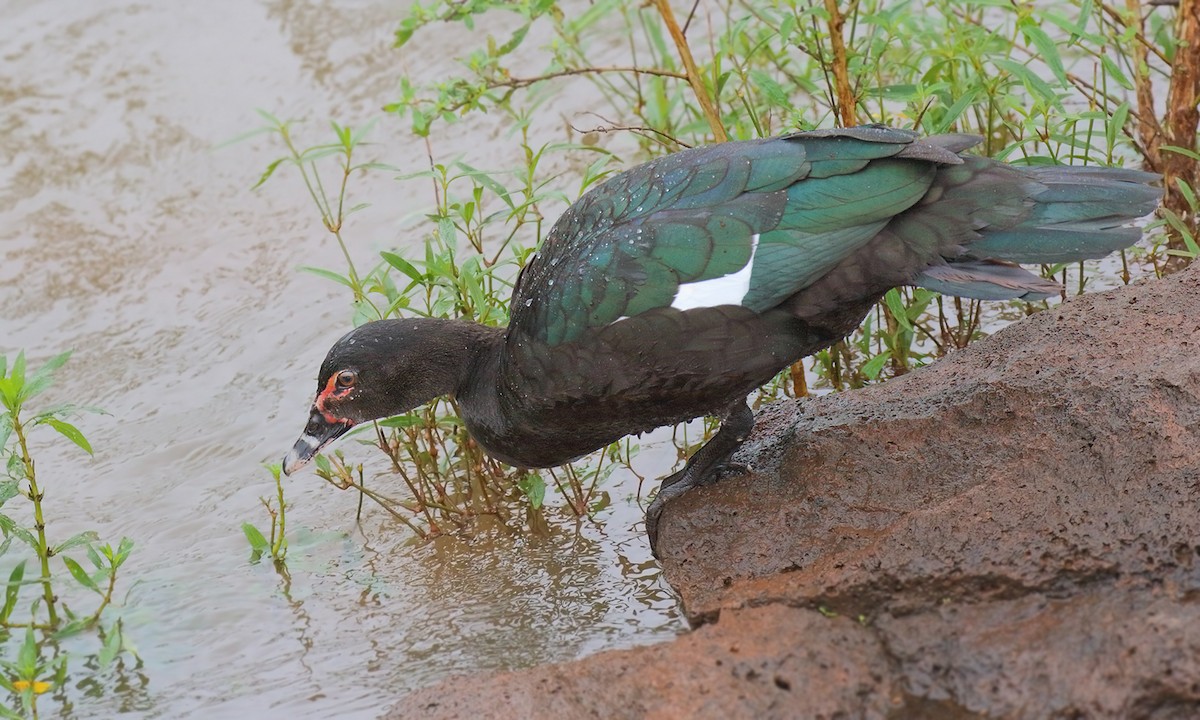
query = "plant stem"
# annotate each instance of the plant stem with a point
(279, 545)
(112, 583)
(35, 495)
(841, 69)
(693, 73)
(1183, 116)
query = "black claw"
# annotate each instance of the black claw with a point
(709, 464)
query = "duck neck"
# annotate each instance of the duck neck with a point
(477, 345)
(421, 358)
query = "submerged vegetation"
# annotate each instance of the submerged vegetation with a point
(1072, 81)
(36, 617)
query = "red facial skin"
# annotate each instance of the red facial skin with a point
(332, 391)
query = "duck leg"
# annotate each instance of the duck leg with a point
(703, 467)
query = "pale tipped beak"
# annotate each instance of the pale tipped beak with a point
(318, 433)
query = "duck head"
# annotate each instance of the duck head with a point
(377, 370)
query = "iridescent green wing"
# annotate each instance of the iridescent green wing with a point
(744, 223)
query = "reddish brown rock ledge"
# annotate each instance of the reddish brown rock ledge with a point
(1013, 532)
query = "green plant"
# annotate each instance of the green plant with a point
(276, 509)
(49, 614)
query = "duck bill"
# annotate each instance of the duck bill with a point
(318, 433)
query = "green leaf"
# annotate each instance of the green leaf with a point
(1193, 248)
(18, 370)
(534, 488)
(9, 391)
(73, 628)
(9, 489)
(896, 305)
(80, 574)
(33, 387)
(364, 312)
(407, 27)
(255, 537)
(10, 527)
(447, 232)
(403, 266)
(489, 182)
(874, 366)
(772, 90)
(1035, 84)
(401, 421)
(112, 648)
(1115, 72)
(11, 591)
(53, 364)
(329, 275)
(42, 377)
(128, 646)
(70, 432)
(14, 467)
(513, 42)
(83, 538)
(93, 556)
(267, 173)
(27, 657)
(1192, 154)
(955, 111)
(1116, 124)
(5, 429)
(921, 298)
(123, 550)
(1047, 49)
(1186, 191)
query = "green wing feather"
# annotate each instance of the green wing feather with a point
(810, 198)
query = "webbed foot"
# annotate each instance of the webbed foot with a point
(708, 465)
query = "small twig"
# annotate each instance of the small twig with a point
(384, 503)
(648, 132)
(517, 83)
(691, 14)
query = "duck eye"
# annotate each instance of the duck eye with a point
(347, 378)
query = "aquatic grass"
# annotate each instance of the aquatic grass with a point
(276, 544)
(41, 664)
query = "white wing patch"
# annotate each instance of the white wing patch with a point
(726, 290)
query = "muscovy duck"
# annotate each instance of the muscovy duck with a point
(676, 288)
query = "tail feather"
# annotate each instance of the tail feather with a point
(987, 280)
(1080, 213)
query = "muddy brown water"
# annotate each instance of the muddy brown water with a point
(128, 234)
